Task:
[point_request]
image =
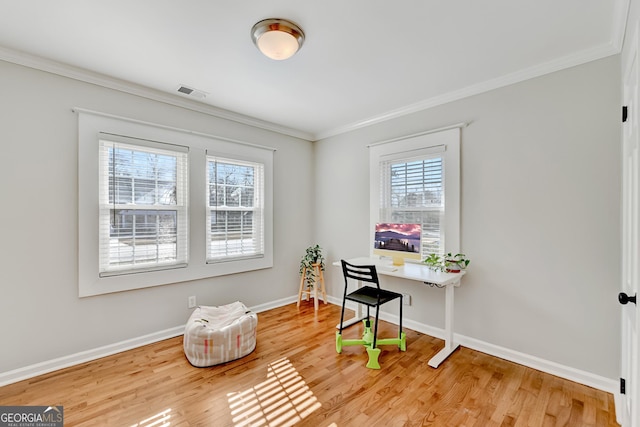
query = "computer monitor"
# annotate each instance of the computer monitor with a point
(398, 241)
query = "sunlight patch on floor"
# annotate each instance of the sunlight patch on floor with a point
(282, 400)
(161, 419)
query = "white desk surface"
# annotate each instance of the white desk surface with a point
(412, 271)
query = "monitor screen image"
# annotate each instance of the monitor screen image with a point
(398, 241)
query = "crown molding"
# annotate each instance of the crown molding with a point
(76, 73)
(568, 61)
(620, 18)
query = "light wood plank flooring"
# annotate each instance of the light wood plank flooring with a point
(295, 377)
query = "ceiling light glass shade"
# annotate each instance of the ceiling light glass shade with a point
(277, 38)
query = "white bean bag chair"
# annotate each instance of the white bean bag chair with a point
(215, 335)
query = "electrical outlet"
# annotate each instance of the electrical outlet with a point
(191, 302)
(406, 299)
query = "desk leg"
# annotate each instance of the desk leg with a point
(359, 316)
(449, 345)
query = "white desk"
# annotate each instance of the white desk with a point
(420, 273)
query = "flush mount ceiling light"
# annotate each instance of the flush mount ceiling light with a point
(277, 38)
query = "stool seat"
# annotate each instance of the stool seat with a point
(215, 335)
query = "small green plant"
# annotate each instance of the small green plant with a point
(313, 255)
(449, 262)
(434, 262)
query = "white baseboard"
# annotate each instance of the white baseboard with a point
(576, 375)
(273, 304)
(553, 368)
(569, 373)
(41, 368)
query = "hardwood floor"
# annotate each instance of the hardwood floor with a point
(295, 377)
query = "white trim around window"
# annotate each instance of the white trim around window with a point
(235, 209)
(191, 261)
(143, 215)
(441, 144)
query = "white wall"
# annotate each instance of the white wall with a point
(41, 316)
(540, 215)
(540, 218)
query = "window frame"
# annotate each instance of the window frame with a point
(90, 125)
(427, 144)
(257, 208)
(180, 207)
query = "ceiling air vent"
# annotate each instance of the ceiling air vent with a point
(192, 92)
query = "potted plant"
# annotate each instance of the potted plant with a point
(455, 263)
(312, 256)
(449, 262)
(434, 262)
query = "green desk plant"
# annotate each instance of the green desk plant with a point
(449, 262)
(312, 256)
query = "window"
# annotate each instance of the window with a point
(235, 217)
(143, 217)
(143, 205)
(412, 191)
(417, 180)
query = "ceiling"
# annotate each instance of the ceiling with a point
(363, 61)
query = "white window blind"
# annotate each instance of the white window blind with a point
(143, 205)
(412, 191)
(235, 209)
(416, 179)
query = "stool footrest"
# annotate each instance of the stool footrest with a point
(347, 343)
(400, 342)
(366, 341)
(373, 353)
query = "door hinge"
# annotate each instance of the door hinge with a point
(625, 113)
(623, 386)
